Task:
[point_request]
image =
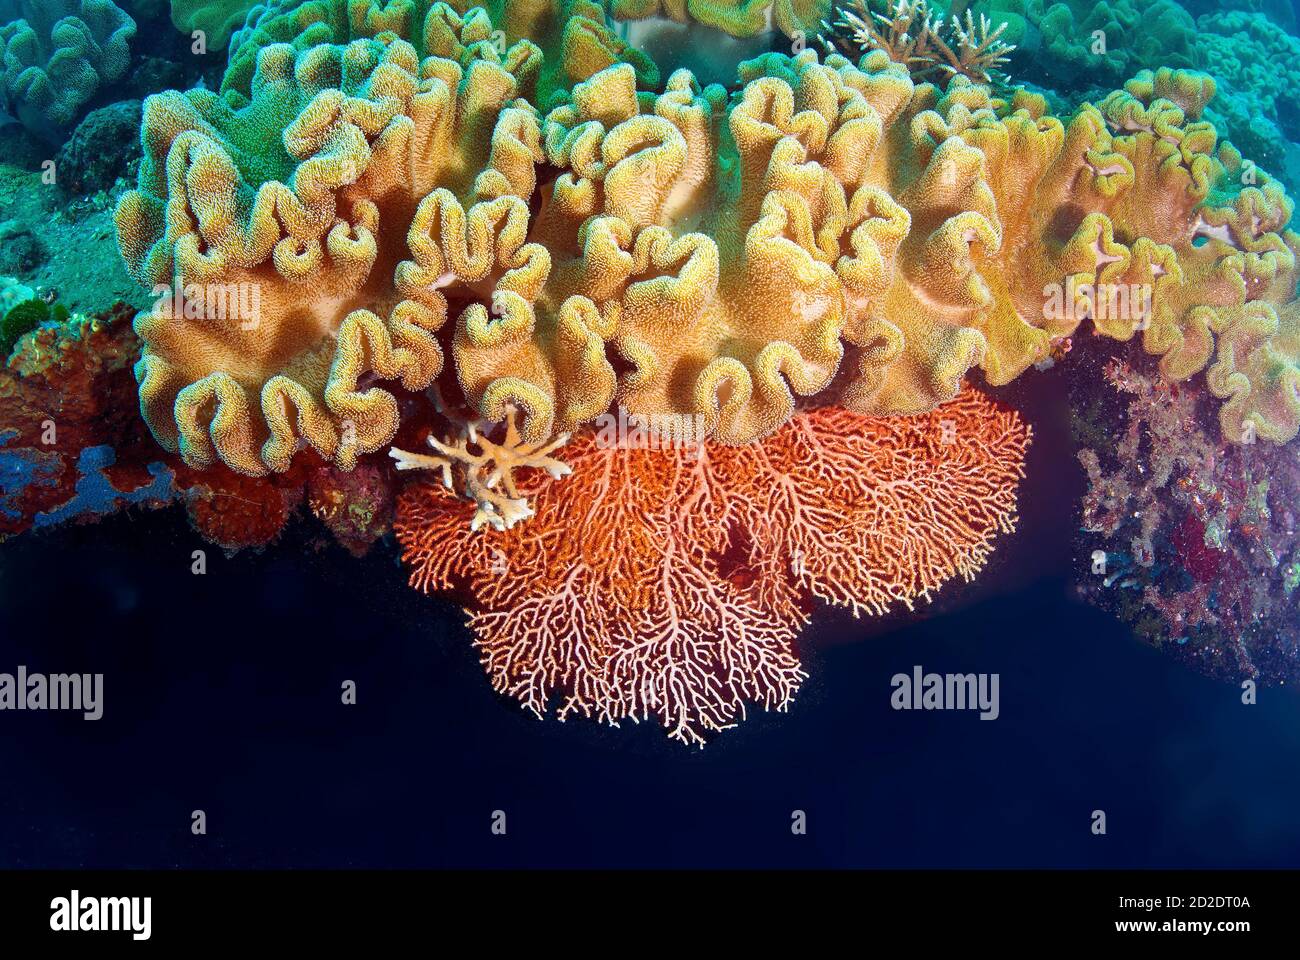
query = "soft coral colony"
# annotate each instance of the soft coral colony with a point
(512, 210)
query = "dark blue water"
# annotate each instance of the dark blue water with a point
(222, 694)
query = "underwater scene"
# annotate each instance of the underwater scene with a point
(649, 434)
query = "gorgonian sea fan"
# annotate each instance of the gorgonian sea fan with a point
(672, 583)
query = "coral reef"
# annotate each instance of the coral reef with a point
(55, 56)
(270, 335)
(73, 449)
(1080, 46)
(355, 505)
(383, 203)
(1199, 538)
(918, 233)
(1257, 62)
(1101, 43)
(25, 317)
(66, 390)
(312, 225)
(670, 581)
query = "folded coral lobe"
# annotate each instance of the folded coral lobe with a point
(713, 244)
(1208, 235)
(272, 227)
(548, 45)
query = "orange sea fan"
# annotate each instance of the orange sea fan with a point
(673, 582)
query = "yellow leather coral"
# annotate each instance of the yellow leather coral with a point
(704, 320)
(1227, 296)
(303, 195)
(831, 231)
(734, 254)
(546, 44)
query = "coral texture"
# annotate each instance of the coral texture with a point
(930, 46)
(25, 317)
(851, 214)
(1103, 42)
(281, 222)
(485, 470)
(56, 54)
(66, 390)
(546, 45)
(296, 189)
(1252, 59)
(671, 581)
(1257, 59)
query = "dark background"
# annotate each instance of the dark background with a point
(222, 692)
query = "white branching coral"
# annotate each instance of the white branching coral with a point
(931, 47)
(481, 470)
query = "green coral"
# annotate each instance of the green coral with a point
(1090, 44)
(26, 317)
(1256, 58)
(56, 54)
(1255, 62)
(1257, 66)
(216, 18)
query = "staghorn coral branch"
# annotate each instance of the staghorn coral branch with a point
(487, 477)
(923, 42)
